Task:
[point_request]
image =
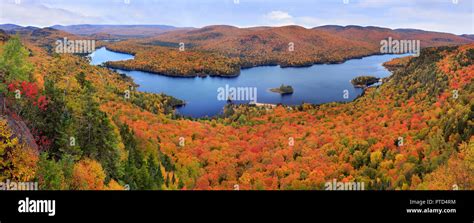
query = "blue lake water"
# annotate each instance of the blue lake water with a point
(321, 83)
(103, 55)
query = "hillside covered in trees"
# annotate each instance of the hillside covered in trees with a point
(70, 125)
(224, 50)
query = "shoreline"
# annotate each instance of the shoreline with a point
(275, 105)
(241, 68)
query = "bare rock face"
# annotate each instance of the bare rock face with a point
(19, 128)
(22, 132)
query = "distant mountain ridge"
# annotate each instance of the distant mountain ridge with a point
(469, 36)
(8, 27)
(117, 30)
(374, 34)
(364, 33)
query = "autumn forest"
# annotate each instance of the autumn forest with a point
(70, 125)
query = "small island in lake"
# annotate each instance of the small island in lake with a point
(364, 81)
(283, 89)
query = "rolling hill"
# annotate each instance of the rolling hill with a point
(285, 46)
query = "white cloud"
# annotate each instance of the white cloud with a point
(278, 18)
(33, 14)
(279, 15)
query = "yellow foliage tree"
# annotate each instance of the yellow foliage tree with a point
(88, 175)
(17, 162)
(23, 162)
(113, 185)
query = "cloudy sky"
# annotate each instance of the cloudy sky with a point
(455, 16)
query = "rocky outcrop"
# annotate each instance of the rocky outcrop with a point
(19, 128)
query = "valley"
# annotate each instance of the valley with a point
(93, 130)
(316, 84)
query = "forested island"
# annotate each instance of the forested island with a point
(283, 89)
(364, 81)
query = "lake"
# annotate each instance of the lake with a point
(320, 83)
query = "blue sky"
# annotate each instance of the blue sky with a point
(434, 15)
